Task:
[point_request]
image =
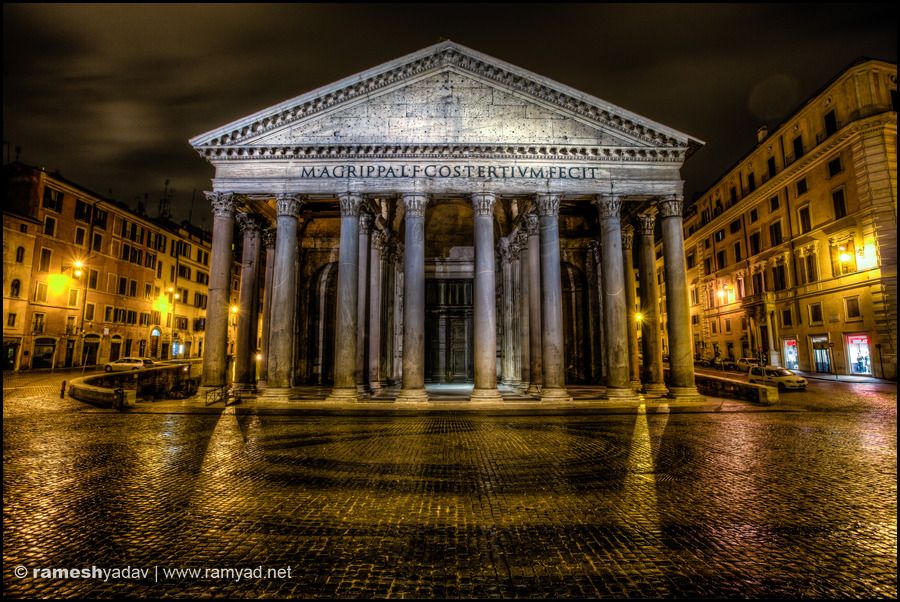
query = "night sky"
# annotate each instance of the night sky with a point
(110, 94)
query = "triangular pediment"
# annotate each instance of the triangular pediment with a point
(444, 94)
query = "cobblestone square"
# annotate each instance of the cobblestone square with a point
(727, 500)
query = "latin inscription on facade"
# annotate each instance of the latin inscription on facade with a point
(436, 170)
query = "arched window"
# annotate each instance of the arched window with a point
(15, 288)
(20, 254)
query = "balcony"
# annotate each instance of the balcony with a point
(758, 299)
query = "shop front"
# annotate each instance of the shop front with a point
(10, 352)
(821, 351)
(858, 353)
(791, 355)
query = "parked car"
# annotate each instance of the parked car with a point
(773, 376)
(729, 364)
(745, 363)
(128, 363)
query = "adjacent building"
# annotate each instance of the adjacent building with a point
(792, 254)
(86, 280)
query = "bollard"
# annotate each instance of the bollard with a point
(62, 390)
(119, 402)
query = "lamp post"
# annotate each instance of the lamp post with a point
(175, 297)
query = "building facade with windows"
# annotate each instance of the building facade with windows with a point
(87, 280)
(792, 254)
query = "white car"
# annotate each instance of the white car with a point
(128, 363)
(773, 376)
(745, 363)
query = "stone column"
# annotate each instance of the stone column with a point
(346, 313)
(215, 361)
(523, 309)
(651, 339)
(399, 285)
(533, 265)
(248, 303)
(681, 363)
(774, 355)
(601, 306)
(269, 242)
(630, 320)
(362, 314)
(284, 285)
(506, 366)
(413, 388)
(618, 379)
(553, 356)
(514, 305)
(485, 300)
(375, 263)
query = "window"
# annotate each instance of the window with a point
(754, 215)
(73, 297)
(834, 167)
(713, 323)
(132, 288)
(20, 255)
(843, 258)
(96, 242)
(93, 275)
(11, 319)
(751, 182)
(148, 291)
(809, 263)
(805, 221)
(720, 235)
(773, 204)
(120, 315)
(830, 123)
(759, 283)
(131, 317)
(840, 206)
(181, 323)
(737, 251)
(735, 226)
(44, 265)
(89, 312)
(754, 243)
(82, 211)
(172, 273)
(150, 260)
(203, 277)
(159, 267)
(733, 195)
(798, 147)
(145, 318)
(37, 323)
(786, 317)
(695, 319)
(49, 226)
(199, 324)
(707, 266)
(706, 243)
(775, 233)
(852, 306)
(720, 260)
(100, 218)
(801, 187)
(695, 299)
(184, 272)
(40, 292)
(123, 285)
(23, 228)
(15, 288)
(108, 313)
(779, 279)
(53, 199)
(200, 300)
(727, 324)
(202, 257)
(815, 313)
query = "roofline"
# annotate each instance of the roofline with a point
(433, 49)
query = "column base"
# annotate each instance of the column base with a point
(555, 395)
(483, 395)
(276, 393)
(533, 389)
(685, 394)
(636, 384)
(245, 387)
(655, 389)
(620, 394)
(412, 396)
(342, 395)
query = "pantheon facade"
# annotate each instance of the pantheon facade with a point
(447, 217)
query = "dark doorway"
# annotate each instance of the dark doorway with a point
(320, 338)
(10, 351)
(90, 351)
(43, 353)
(70, 352)
(575, 319)
(448, 331)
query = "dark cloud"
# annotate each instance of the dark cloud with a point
(110, 94)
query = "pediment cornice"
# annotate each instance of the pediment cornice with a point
(443, 56)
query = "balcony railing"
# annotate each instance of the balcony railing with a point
(758, 299)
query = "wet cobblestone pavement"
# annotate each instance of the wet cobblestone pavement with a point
(798, 500)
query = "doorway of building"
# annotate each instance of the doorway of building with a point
(43, 353)
(449, 337)
(91, 350)
(821, 353)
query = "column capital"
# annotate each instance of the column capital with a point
(671, 207)
(350, 204)
(646, 220)
(483, 203)
(288, 204)
(223, 203)
(522, 238)
(532, 224)
(608, 206)
(378, 240)
(415, 203)
(514, 248)
(269, 237)
(547, 204)
(251, 223)
(627, 237)
(365, 223)
(503, 249)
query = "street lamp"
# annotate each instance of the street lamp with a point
(175, 297)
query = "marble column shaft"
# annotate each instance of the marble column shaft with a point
(614, 301)
(506, 365)
(651, 340)
(553, 356)
(346, 314)
(375, 271)
(630, 321)
(248, 302)
(513, 310)
(485, 300)
(681, 362)
(269, 241)
(284, 288)
(523, 309)
(413, 388)
(215, 361)
(362, 288)
(533, 265)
